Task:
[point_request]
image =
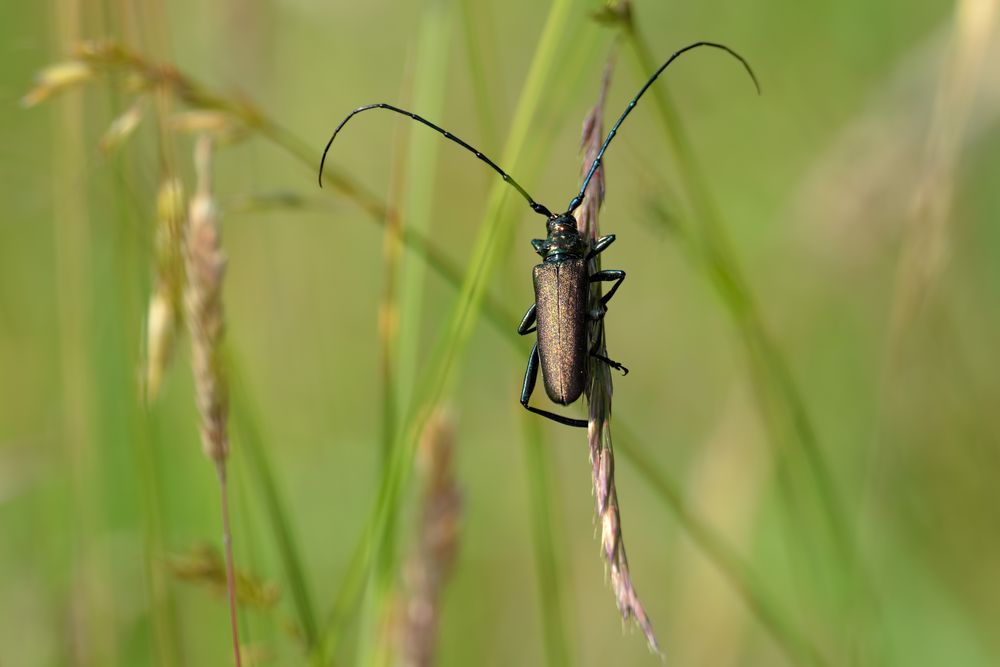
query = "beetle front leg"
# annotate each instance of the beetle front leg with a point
(600, 246)
(528, 321)
(530, 377)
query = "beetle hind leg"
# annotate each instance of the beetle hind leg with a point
(530, 377)
(608, 275)
(611, 362)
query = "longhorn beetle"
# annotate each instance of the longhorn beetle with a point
(559, 313)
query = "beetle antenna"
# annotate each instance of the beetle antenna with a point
(578, 199)
(535, 206)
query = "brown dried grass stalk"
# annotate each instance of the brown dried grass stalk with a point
(600, 390)
(206, 267)
(426, 571)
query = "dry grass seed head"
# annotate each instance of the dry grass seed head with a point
(206, 266)
(165, 314)
(599, 392)
(426, 571)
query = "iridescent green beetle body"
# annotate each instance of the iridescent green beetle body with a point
(561, 302)
(562, 280)
(560, 315)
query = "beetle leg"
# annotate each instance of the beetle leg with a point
(606, 276)
(530, 376)
(600, 246)
(611, 362)
(528, 321)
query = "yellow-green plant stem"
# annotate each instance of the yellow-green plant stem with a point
(796, 645)
(770, 371)
(493, 236)
(541, 488)
(250, 437)
(537, 458)
(434, 53)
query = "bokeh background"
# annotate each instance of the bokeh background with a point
(811, 319)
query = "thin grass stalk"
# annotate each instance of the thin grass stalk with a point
(726, 482)
(388, 309)
(227, 541)
(352, 586)
(479, 46)
(416, 617)
(391, 319)
(250, 589)
(541, 493)
(599, 387)
(542, 489)
(166, 641)
(95, 57)
(429, 84)
(780, 624)
(768, 407)
(772, 375)
(482, 261)
(164, 320)
(430, 79)
(266, 487)
(434, 53)
(89, 636)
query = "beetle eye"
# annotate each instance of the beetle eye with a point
(538, 245)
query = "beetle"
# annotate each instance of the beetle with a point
(559, 313)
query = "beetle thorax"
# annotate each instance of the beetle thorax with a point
(563, 240)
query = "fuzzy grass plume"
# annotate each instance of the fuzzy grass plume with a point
(429, 565)
(600, 390)
(206, 267)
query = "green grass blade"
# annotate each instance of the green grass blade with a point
(434, 52)
(245, 424)
(537, 457)
(483, 259)
(772, 377)
(478, 45)
(796, 645)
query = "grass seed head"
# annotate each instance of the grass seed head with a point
(426, 571)
(206, 267)
(165, 316)
(57, 78)
(122, 127)
(599, 392)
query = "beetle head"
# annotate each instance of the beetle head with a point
(563, 239)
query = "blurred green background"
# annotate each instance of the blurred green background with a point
(814, 445)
